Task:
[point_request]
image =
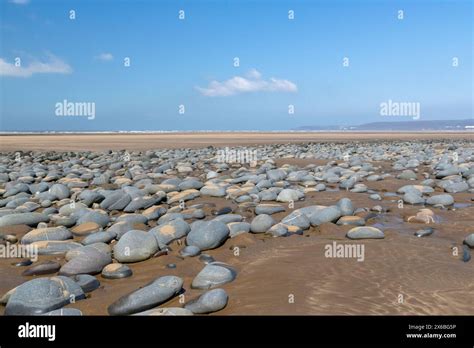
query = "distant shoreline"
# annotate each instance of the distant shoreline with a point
(429, 131)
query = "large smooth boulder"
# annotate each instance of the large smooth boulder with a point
(116, 201)
(211, 301)
(262, 223)
(135, 246)
(329, 214)
(207, 234)
(60, 191)
(90, 261)
(48, 233)
(151, 295)
(166, 233)
(31, 219)
(42, 295)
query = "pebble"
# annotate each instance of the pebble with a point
(365, 232)
(168, 311)
(99, 217)
(261, 223)
(407, 175)
(138, 203)
(227, 218)
(417, 189)
(87, 282)
(46, 267)
(69, 209)
(116, 271)
(289, 195)
(348, 184)
(104, 237)
(89, 197)
(466, 253)
(206, 258)
(22, 263)
(276, 174)
(297, 218)
(469, 240)
(268, 209)
(30, 219)
(278, 230)
(190, 251)
(424, 232)
(329, 214)
(375, 197)
(213, 275)
(225, 210)
(65, 312)
(413, 197)
(209, 302)
(54, 247)
(99, 246)
(48, 234)
(213, 191)
(443, 200)
(184, 196)
(132, 218)
(345, 206)
(351, 221)
(237, 228)
(120, 228)
(60, 191)
(154, 212)
(359, 188)
(118, 200)
(9, 238)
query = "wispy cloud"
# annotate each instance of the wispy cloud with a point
(50, 65)
(19, 2)
(252, 82)
(105, 57)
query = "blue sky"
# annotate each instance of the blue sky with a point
(190, 62)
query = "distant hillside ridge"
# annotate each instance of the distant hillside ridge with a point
(431, 125)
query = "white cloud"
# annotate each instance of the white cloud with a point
(253, 74)
(52, 65)
(105, 57)
(20, 2)
(253, 82)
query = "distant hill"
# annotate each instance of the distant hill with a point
(435, 125)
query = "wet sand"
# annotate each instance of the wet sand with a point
(272, 270)
(94, 142)
(422, 270)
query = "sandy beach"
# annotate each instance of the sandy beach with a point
(100, 142)
(400, 274)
